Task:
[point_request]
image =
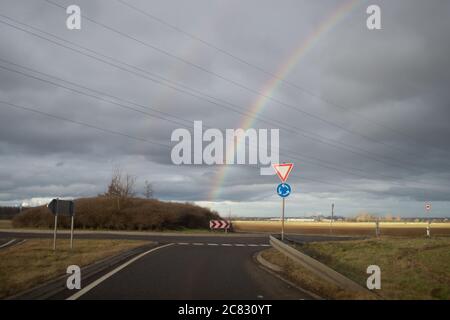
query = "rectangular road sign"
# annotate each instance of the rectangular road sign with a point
(61, 207)
(219, 224)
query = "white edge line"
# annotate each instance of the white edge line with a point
(6, 244)
(17, 243)
(109, 274)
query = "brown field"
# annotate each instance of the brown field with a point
(344, 228)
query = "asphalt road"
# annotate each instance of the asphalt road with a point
(184, 267)
(195, 272)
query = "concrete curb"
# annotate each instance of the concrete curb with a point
(275, 271)
(267, 264)
(318, 268)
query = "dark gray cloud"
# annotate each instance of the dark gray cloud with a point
(381, 143)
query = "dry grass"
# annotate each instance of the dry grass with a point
(308, 280)
(344, 228)
(411, 268)
(33, 262)
(122, 214)
(5, 224)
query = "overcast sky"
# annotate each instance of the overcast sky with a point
(364, 115)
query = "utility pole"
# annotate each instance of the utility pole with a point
(332, 218)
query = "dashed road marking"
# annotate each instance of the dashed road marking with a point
(223, 244)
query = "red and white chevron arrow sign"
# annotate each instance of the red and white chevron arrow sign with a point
(219, 224)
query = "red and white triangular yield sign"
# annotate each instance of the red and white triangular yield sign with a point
(283, 170)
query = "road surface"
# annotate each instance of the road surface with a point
(183, 266)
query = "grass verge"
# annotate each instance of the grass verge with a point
(411, 268)
(307, 280)
(5, 224)
(33, 262)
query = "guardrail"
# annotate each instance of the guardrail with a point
(316, 267)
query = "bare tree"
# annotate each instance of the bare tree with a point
(148, 191)
(121, 186)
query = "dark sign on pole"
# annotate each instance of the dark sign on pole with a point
(63, 207)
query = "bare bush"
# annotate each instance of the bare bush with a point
(134, 214)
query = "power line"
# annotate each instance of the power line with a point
(302, 157)
(61, 118)
(265, 71)
(13, 105)
(302, 132)
(142, 106)
(231, 81)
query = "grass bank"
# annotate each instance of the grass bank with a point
(411, 268)
(28, 264)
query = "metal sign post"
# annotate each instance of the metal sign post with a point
(332, 218)
(282, 220)
(283, 191)
(283, 170)
(54, 232)
(428, 209)
(71, 232)
(64, 207)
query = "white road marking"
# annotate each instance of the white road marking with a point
(17, 243)
(111, 273)
(6, 244)
(222, 244)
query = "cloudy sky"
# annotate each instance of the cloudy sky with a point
(363, 114)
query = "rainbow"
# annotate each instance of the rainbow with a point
(272, 85)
